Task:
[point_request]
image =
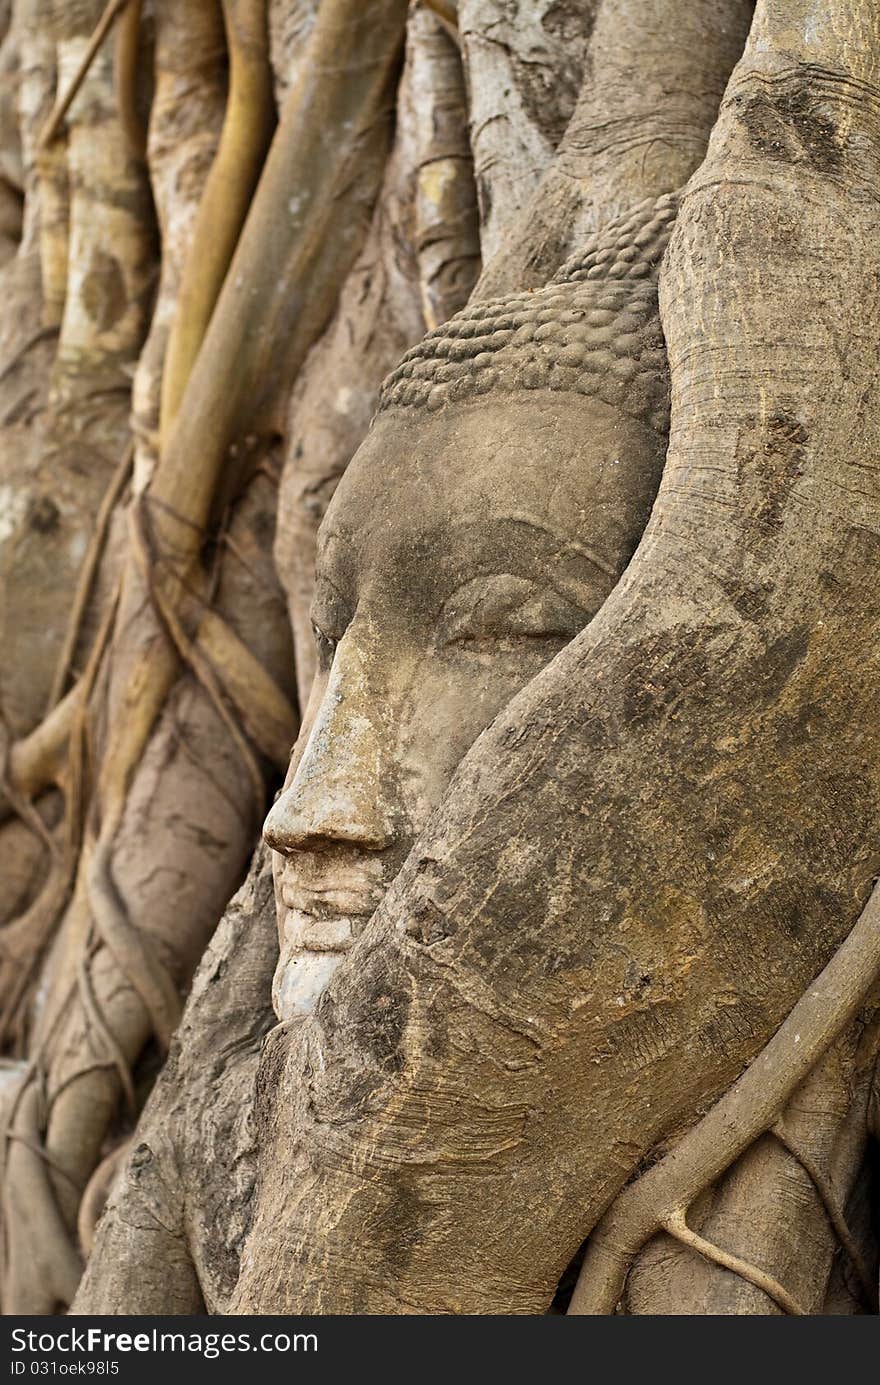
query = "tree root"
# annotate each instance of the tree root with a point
(161, 607)
(18, 802)
(125, 75)
(42, 1267)
(165, 606)
(23, 945)
(833, 1210)
(447, 219)
(87, 575)
(660, 1198)
(42, 334)
(54, 753)
(111, 13)
(105, 1035)
(54, 228)
(247, 128)
(677, 1226)
(265, 712)
(38, 760)
(95, 1196)
(129, 947)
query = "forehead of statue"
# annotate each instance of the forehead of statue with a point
(421, 477)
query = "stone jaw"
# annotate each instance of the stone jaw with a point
(594, 330)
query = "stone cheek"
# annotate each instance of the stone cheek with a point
(593, 330)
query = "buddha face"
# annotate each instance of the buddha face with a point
(463, 549)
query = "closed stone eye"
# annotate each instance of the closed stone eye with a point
(508, 608)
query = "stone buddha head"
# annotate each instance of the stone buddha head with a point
(499, 495)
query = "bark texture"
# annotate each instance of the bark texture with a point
(524, 63)
(171, 1237)
(653, 79)
(772, 1209)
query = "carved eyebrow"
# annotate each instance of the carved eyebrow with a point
(567, 546)
(329, 536)
(335, 550)
(338, 539)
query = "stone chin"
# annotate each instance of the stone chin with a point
(300, 979)
(311, 950)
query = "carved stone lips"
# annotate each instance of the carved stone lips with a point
(303, 932)
(311, 950)
(320, 921)
(330, 903)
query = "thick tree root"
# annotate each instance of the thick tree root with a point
(37, 760)
(41, 1269)
(513, 55)
(54, 753)
(654, 79)
(660, 1198)
(66, 98)
(87, 575)
(126, 56)
(447, 219)
(833, 1209)
(94, 1199)
(247, 129)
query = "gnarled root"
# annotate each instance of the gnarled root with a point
(652, 86)
(660, 1198)
(42, 1268)
(98, 1190)
(447, 220)
(247, 128)
(791, 1205)
(172, 1236)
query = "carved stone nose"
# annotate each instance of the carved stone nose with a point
(338, 793)
(333, 812)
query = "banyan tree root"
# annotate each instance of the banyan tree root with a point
(653, 83)
(105, 281)
(111, 248)
(247, 129)
(86, 581)
(290, 23)
(98, 1190)
(171, 1239)
(379, 316)
(47, 199)
(41, 1264)
(11, 165)
(85, 1039)
(660, 1199)
(61, 436)
(686, 797)
(793, 1205)
(524, 68)
(183, 135)
(54, 754)
(447, 220)
(60, 475)
(126, 84)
